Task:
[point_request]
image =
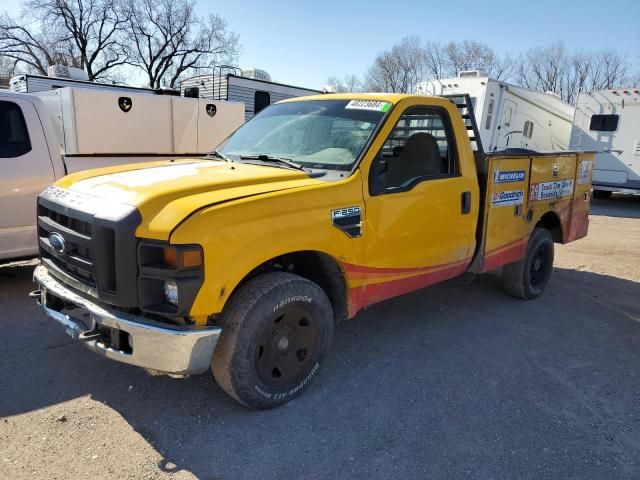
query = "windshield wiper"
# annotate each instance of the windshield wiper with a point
(269, 158)
(216, 153)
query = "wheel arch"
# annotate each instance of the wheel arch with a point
(318, 267)
(551, 221)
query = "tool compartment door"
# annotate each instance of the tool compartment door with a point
(553, 179)
(505, 229)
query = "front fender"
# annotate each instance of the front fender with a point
(239, 236)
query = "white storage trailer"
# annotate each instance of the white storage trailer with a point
(256, 92)
(608, 122)
(509, 116)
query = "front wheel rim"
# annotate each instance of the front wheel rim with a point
(286, 346)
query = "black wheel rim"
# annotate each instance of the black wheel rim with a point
(539, 268)
(286, 345)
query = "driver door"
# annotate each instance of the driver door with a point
(421, 222)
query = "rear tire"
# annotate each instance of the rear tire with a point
(527, 278)
(602, 194)
(276, 331)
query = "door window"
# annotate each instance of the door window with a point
(14, 136)
(261, 101)
(508, 112)
(420, 147)
(487, 124)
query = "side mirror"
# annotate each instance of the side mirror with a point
(378, 175)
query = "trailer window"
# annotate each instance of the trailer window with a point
(14, 136)
(527, 131)
(508, 112)
(420, 147)
(261, 100)
(604, 123)
(487, 124)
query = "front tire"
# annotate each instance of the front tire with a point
(527, 278)
(276, 330)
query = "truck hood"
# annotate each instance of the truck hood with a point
(167, 192)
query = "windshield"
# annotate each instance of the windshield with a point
(329, 134)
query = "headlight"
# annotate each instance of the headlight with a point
(171, 292)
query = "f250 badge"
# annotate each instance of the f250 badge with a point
(349, 220)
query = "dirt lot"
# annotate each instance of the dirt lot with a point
(454, 381)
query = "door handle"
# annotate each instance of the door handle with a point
(466, 202)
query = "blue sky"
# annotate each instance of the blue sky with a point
(303, 43)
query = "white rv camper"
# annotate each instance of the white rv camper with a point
(509, 116)
(252, 87)
(27, 83)
(608, 122)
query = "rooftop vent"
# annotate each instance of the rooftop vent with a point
(472, 74)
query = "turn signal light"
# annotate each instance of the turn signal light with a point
(182, 258)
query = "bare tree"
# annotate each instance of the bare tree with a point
(26, 46)
(350, 83)
(92, 27)
(167, 39)
(398, 69)
(435, 58)
(554, 69)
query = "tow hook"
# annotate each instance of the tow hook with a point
(89, 335)
(37, 294)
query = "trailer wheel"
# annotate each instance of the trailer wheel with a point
(602, 194)
(276, 330)
(527, 278)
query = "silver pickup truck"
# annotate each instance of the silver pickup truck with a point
(46, 135)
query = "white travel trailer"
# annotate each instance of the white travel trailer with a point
(28, 83)
(252, 87)
(509, 116)
(608, 122)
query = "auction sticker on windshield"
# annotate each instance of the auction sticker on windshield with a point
(372, 105)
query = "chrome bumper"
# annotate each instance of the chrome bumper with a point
(174, 350)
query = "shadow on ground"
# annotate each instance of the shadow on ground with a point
(457, 380)
(621, 206)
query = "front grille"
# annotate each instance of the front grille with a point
(93, 254)
(76, 260)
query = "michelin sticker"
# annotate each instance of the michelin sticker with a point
(551, 190)
(508, 176)
(584, 171)
(510, 197)
(373, 105)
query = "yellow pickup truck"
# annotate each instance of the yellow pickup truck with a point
(243, 261)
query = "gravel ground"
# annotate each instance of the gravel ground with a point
(450, 382)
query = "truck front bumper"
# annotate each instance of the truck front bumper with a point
(173, 350)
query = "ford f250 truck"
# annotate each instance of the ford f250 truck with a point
(316, 208)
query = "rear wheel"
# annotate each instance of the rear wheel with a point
(527, 278)
(602, 194)
(276, 331)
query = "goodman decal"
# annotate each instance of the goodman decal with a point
(510, 197)
(508, 176)
(551, 190)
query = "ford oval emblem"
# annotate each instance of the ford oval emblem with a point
(57, 242)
